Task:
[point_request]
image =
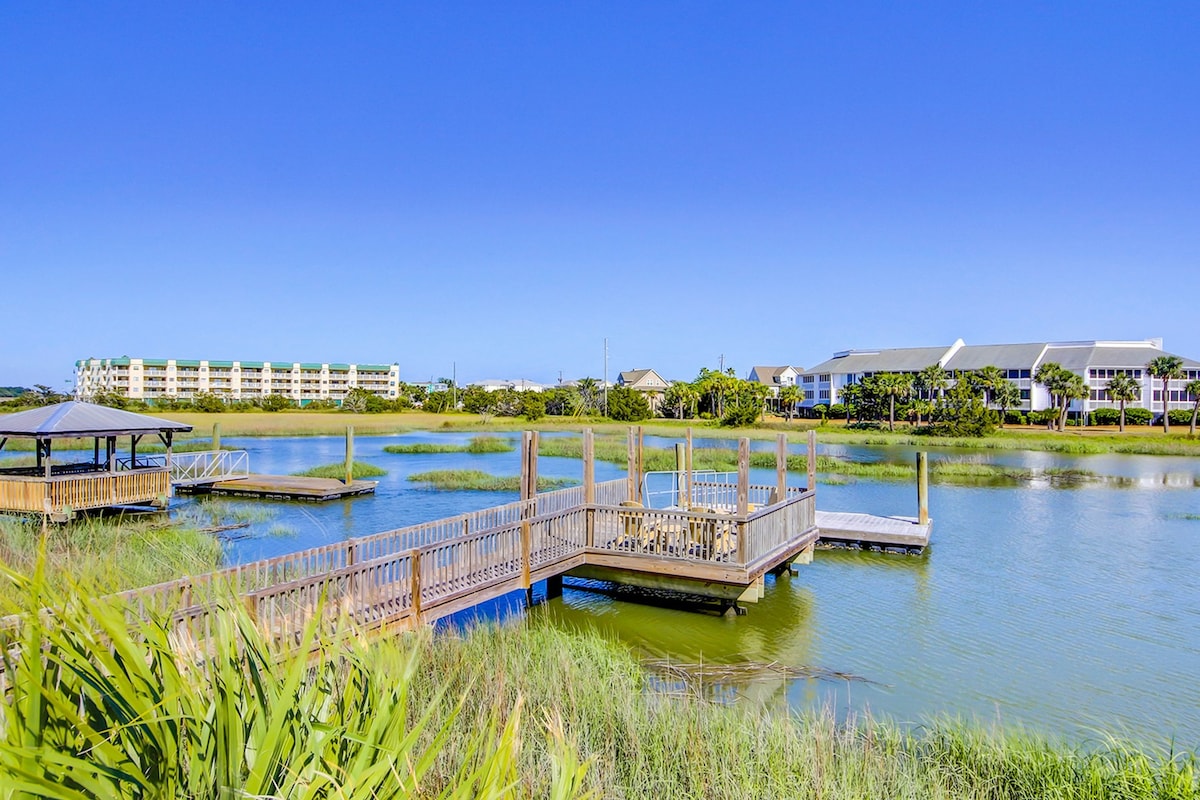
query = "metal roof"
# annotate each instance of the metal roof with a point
(1078, 357)
(82, 419)
(1004, 356)
(903, 359)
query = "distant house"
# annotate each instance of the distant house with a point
(775, 378)
(647, 381)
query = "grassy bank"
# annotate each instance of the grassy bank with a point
(359, 470)
(1141, 440)
(478, 445)
(474, 480)
(525, 710)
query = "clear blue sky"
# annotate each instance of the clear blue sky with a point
(503, 185)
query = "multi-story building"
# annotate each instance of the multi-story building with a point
(152, 379)
(1095, 361)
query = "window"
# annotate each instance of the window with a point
(1024, 394)
(824, 394)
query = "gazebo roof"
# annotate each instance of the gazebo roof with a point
(73, 418)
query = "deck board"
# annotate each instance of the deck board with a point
(288, 487)
(870, 529)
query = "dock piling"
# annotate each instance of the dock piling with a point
(922, 488)
(812, 460)
(349, 454)
(780, 468)
(216, 436)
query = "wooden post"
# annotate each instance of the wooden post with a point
(631, 476)
(812, 460)
(743, 479)
(349, 454)
(216, 436)
(528, 490)
(414, 561)
(170, 439)
(781, 468)
(688, 467)
(922, 488)
(589, 467)
(589, 484)
(110, 446)
(680, 469)
(96, 451)
(133, 440)
(641, 464)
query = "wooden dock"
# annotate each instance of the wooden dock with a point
(849, 529)
(282, 487)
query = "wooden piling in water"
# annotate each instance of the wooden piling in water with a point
(688, 468)
(349, 454)
(780, 467)
(216, 436)
(812, 460)
(743, 477)
(631, 470)
(922, 488)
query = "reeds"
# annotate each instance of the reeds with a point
(475, 480)
(359, 469)
(478, 445)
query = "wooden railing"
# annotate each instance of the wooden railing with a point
(427, 571)
(62, 493)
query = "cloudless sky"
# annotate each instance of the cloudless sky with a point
(504, 185)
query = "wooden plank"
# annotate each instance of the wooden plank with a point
(871, 529)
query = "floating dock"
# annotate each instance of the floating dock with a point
(283, 487)
(867, 531)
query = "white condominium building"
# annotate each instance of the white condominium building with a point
(150, 379)
(1095, 361)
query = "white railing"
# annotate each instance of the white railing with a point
(209, 466)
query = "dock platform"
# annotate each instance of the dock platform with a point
(283, 487)
(844, 528)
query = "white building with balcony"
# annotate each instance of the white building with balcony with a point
(151, 379)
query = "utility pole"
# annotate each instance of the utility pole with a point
(722, 361)
(454, 384)
(606, 376)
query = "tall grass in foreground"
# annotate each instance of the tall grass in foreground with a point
(108, 554)
(97, 708)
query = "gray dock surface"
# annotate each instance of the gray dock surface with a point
(847, 527)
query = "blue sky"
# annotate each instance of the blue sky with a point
(504, 185)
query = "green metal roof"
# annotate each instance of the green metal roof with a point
(251, 364)
(311, 366)
(339, 367)
(373, 368)
(186, 363)
(220, 363)
(154, 362)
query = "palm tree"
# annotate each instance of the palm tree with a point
(1167, 369)
(1193, 388)
(922, 407)
(987, 379)
(1063, 385)
(851, 394)
(1124, 389)
(789, 397)
(932, 380)
(1006, 395)
(893, 385)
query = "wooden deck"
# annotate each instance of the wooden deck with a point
(416, 575)
(845, 528)
(282, 487)
(59, 496)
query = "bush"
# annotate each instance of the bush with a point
(1045, 416)
(276, 402)
(1180, 416)
(208, 402)
(627, 405)
(533, 406)
(821, 410)
(1105, 416)
(1138, 416)
(1014, 418)
(837, 410)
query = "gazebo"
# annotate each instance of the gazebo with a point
(108, 479)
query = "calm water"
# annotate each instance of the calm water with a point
(1071, 611)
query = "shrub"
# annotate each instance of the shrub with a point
(1180, 416)
(1105, 416)
(1138, 416)
(821, 410)
(627, 405)
(208, 402)
(1045, 416)
(1014, 418)
(837, 410)
(533, 406)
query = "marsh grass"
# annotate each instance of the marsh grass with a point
(725, 460)
(100, 708)
(475, 480)
(108, 554)
(478, 445)
(359, 469)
